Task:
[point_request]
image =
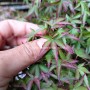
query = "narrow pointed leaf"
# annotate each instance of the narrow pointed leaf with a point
(37, 71)
(29, 86)
(79, 82)
(81, 53)
(37, 82)
(62, 54)
(43, 68)
(55, 51)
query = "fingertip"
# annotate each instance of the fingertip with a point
(30, 27)
(41, 42)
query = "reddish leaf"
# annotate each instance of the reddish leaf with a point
(73, 37)
(64, 23)
(69, 49)
(65, 47)
(37, 82)
(55, 51)
(70, 36)
(65, 7)
(69, 66)
(73, 62)
(71, 8)
(44, 77)
(29, 86)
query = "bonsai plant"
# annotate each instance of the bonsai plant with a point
(66, 64)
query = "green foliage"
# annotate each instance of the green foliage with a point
(66, 65)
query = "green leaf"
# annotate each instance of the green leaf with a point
(86, 34)
(79, 83)
(49, 56)
(84, 18)
(88, 29)
(48, 38)
(62, 54)
(78, 5)
(32, 69)
(88, 42)
(81, 53)
(60, 89)
(59, 43)
(43, 68)
(82, 7)
(86, 81)
(77, 21)
(36, 11)
(45, 84)
(77, 74)
(77, 16)
(34, 32)
(26, 1)
(37, 71)
(64, 40)
(50, 88)
(54, 76)
(52, 68)
(31, 11)
(68, 18)
(81, 88)
(85, 78)
(84, 70)
(80, 65)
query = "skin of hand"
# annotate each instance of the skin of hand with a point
(14, 60)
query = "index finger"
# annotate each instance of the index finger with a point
(9, 28)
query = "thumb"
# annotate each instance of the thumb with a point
(18, 58)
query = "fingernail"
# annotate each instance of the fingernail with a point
(41, 42)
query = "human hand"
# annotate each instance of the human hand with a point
(14, 60)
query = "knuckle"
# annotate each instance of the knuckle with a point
(29, 50)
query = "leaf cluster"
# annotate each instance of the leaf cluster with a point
(66, 65)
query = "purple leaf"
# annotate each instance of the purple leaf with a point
(37, 82)
(60, 25)
(53, 75)
(55, 51)
(64, 34)
(69, 66)
(67, 4)
(58, 72)
(65, 80)
(65, 7)
(29, 86)
(64, 23)
(65, 47)
(73, 62)
(73, 37)
(71, 8)
(70, 35)
(44, 77)
(68, 49)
